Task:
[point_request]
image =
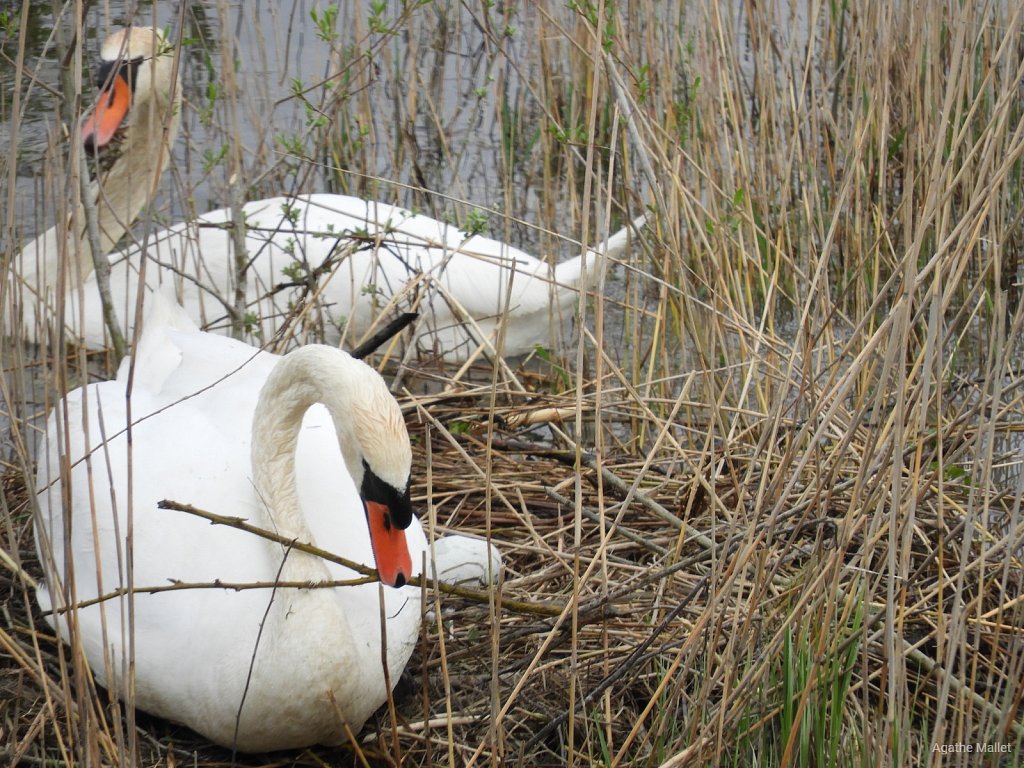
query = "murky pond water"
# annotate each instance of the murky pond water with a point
(434, 108)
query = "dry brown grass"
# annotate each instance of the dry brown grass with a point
(779, 521)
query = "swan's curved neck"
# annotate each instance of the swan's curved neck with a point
(309, 375)
(130, 183)
(119, 194)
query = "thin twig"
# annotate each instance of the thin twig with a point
(455, 590)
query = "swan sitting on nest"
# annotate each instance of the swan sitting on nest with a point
(310, 446)
(318, 266)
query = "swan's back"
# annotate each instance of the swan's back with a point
(367, 258)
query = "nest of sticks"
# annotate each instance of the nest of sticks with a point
(665, 599)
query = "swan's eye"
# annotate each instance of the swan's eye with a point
(396, 501)
(126, 68)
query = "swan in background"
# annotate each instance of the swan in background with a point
(130, 132)
(326, 266)
(319, 267)
(310, 445)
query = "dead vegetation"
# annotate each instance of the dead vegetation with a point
(764, 508)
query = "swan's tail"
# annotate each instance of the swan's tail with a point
(163, 311)
(155, 353)
(570, 272)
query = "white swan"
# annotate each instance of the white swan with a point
(321, 265)
(129, 136)
(222, 426)
(327, 266)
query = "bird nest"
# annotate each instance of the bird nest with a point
(667, 599)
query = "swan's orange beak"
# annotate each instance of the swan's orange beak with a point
(390, 551)
(111, 108)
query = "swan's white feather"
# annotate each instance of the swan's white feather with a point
(368, 258)
(381, 258)
(464, 560)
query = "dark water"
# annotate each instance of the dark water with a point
(429, 110)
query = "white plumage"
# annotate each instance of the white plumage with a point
(287, 465)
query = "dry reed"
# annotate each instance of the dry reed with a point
(775, 518)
